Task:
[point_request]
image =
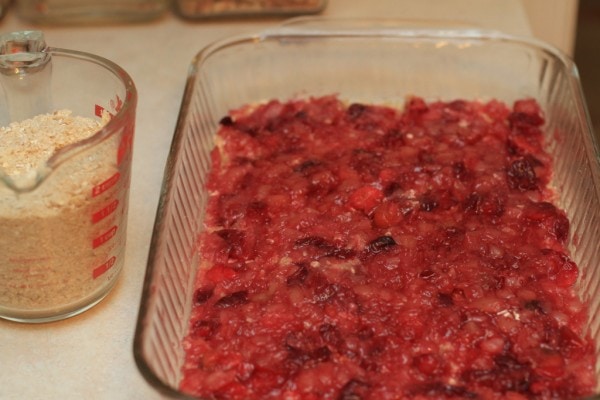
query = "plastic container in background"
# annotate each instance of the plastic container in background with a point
(89, 11)
(364, 62)
(63, 221)
(193, 9)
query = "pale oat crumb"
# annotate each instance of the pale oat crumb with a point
(45, 235)
(28, 144)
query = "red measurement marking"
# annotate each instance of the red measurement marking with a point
(98, 110)
(126, 144)
(107, 184)
(105, 237)
(103, 268)
(105, 212)
(116, 104)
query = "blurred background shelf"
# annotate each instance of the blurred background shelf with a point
(587, 56)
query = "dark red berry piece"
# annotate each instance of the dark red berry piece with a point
(235, 240)
(380, 244)
(356, 110)
(202, 295)
(521, 175)
(331, 334)
(205, 328)
(298, 277)
(316, 241)
(233, 299)
(226, 121)
(354, 389)
(428, 203)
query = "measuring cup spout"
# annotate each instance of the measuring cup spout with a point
(25, 72)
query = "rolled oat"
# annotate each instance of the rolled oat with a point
(55, 239)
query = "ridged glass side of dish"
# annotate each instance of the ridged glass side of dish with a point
(377, 63)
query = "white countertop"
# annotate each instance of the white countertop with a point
(90, 356)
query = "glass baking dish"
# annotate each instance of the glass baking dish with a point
(361, 61)
(201, 9)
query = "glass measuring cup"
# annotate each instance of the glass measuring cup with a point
(62, 221)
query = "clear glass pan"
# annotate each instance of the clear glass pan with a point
(366, 61)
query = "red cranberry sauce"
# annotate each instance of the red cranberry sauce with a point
(363, 252)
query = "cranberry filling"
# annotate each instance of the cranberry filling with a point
(365, 252)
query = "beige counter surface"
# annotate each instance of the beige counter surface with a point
(90, 356)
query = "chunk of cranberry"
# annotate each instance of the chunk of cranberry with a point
(551, 366)
(316, 241)
(550, 218)
(365, 162)
(443, 390)
(321, 354)
(257, 212)
(226, 121)
(365, 198)
(220, 273)
(484, 204)
(299, 276)
(427, 274)
(354, 389)
(428, 364)
(235, 242)
(567, 275)
(416, 105)
(571, 343)
(302, 349)
(393, 138)
(233, 299)
(536, 306)
(521, 175)
(445, 299)
(201, 295)
(355, 110)
(382, 243)
(388, 214)
(299, 340)
(508, 374)
(527, 106)
(428, 203)
(306, 166)
(324, 247)
(521, 120)
(331, 334)
(525, 113)
(229, 209)
(458, 105)
(460, 171)
(322, 182)
(205, 328)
